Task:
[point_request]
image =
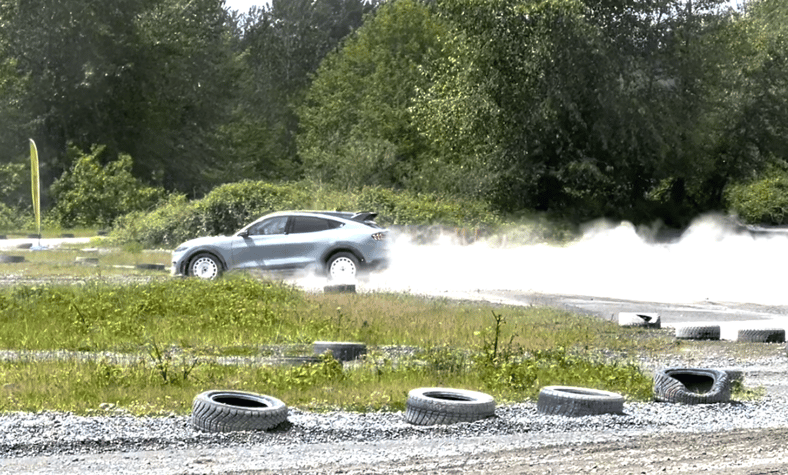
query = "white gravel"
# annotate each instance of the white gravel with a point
(117, 443)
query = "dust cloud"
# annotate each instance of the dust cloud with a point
(713, 260)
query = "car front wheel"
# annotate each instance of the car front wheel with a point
(205, 266)
(342, 267)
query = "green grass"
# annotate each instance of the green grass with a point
(50, 232)
(162, 386)
(245, 312)
(60, 262)
(510, 352)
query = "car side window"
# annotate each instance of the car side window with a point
(269, 227)
(310, 224)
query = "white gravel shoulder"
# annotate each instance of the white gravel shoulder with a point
(59, 443)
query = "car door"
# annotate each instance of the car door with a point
(308, 237)
(260, 244)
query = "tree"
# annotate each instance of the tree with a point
(144, 77)
(583, 108)
(754, 100)
(279, 48)
(356, 125)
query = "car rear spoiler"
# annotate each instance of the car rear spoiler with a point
(364, 216)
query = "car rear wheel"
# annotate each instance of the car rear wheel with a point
(342, 267)
(205, 266)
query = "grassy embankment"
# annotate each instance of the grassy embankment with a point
(510, 352)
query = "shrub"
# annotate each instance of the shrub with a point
(8, 218)
(92, 194)
(15, 184)
(229, 207)
(404, 208)
(760, 201)
(174, 221)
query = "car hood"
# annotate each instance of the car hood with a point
(204, 241)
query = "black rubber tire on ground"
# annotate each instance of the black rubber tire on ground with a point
(86, 261)
(573, 401)
(340, 289)
(698, 332)
(692, 386)
(761, 335)
(340, 350)
(229, 411)
(204, 266)
(342, 267)
(150, 266)
(11, 259)
(639, 319)
(431, 406)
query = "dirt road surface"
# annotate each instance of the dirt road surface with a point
(732, 453)
(740, 452)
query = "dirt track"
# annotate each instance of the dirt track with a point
(741, 452)
(734, 453)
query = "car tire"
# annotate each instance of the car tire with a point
(229, 411)
(86, 261)
(644, 320)
(692, 386)
(342, 267)
(761, 335)
(5, 259)
(432, 406)
(698, 332)
(204, 266)
(340, 350)
(573, 401)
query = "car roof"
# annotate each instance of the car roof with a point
(363, 216)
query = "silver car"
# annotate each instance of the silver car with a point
(337, 243)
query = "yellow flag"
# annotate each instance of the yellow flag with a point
(35, 185)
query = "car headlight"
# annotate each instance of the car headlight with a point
(379, 236)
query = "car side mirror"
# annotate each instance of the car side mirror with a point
(244, 233)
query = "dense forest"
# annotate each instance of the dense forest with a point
(631, 109)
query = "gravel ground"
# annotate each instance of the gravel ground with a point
(737, 438)
(341, 442)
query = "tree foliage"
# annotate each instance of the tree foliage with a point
(582, 107)
(620, 108)
(278, 49)
(356, 126)
(95, 192)
(144, 77)
(579, 107)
